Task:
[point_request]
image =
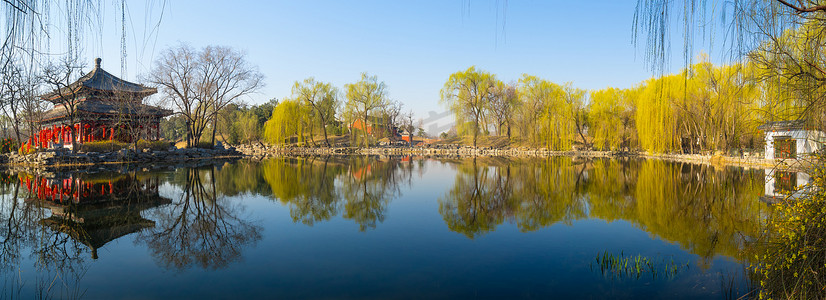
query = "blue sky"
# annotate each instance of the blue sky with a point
(413, 46)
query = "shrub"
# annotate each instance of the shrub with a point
(7, 145)
(792, 263)
(154, 145)
(102, 146)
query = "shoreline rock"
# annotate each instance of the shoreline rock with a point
(459, 151)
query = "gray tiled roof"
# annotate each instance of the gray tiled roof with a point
(99, 79)
(108, 108)
(783, 125)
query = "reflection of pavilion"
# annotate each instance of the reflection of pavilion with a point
(95, 211)
(780, 183)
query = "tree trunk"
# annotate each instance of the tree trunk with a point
(324, 129)
(214, 129)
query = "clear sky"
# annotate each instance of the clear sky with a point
(413, 46)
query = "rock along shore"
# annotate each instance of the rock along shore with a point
(457, 151)
(64, 158)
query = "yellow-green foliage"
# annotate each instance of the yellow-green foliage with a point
(655, 117)
(605, 113)
(554, 123)
(792, 265)
(467, 93)
(706, 107)
(285, 122)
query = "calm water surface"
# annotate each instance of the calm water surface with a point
(383, 228)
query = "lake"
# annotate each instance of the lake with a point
(387, 227)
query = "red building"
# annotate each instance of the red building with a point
(376, 127)
(106, 108)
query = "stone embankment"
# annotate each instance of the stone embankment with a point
(432, 150)
(61, 157)
(458, 151)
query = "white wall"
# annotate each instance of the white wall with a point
(807, 141)
(802, 179)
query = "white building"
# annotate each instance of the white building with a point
(780, 184)
(791, 139)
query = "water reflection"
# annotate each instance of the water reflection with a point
(200, 228)
(705, 210)
(319, 188)
(780, 184)
(94, 210)
(199, 220)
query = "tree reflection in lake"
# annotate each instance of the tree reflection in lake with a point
(706, 210)
(319, 188)
(201, 227)
(58, 218)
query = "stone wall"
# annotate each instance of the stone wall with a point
(64, 157)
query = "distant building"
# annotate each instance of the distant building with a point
(105, 105)
(377, 127)
(791, 139)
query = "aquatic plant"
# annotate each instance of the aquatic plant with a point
(636, 267)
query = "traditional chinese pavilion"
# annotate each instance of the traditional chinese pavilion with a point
(107, 108)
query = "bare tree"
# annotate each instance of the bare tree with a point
(200, 83)
(392, 114)
(13, 89)
(502, 105)
(407, 124)
(60, 76)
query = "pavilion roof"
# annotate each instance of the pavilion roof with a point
(108, 108)
(783, 125)
(99, 79)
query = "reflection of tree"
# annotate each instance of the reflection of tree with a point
(319, 188)
(478, 200)
(548, 192)
(200, 228)
(58, 258)
(306, 185)
(243, 176)
(368, 188)
(707, 211)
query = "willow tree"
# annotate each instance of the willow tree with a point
(784, 38)
(321, 98)
(364, 97)
(605, 113)
(467, 94)
(285, 122)
(547, 112)
(575, 98)
(655, 118)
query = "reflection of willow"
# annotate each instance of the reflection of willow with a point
(306, 185)
(368, 188)
(548, 192)
(200, 228)
(243, 176)
(319, 188)
(478, 200)
(534, 193)
(707, 211)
